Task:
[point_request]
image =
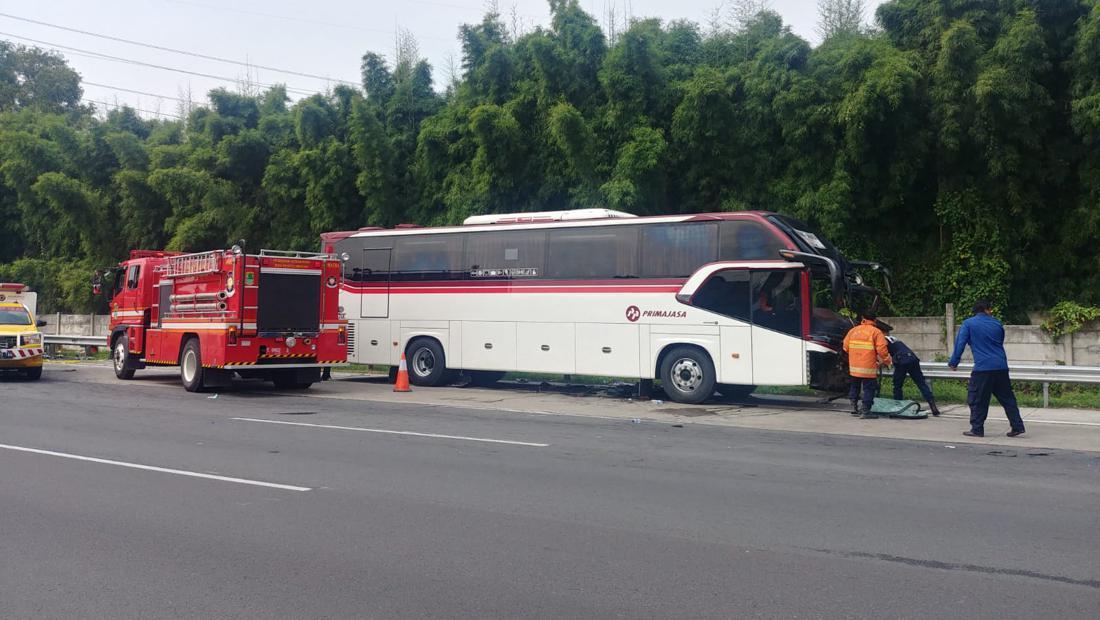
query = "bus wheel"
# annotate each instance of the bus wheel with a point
(34, 373)
(191, 369)
(687, 375)
(427, 364)
(120, 358)
(484, 378)
(735, 391)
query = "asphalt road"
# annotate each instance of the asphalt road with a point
(575, 518)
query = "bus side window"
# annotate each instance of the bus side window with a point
(726, 293)
(677, 250)
(593, 253)
(745, 240)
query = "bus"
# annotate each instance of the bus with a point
(701, 303)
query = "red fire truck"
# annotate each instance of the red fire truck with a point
(273, 315)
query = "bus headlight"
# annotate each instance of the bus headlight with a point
(31, 339)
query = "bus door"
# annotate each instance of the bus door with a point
(374, 277)
(778, 349)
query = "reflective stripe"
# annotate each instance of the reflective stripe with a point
(861, 344)
(865, 371)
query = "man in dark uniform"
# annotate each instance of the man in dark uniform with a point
(907, 363)
(986, 337)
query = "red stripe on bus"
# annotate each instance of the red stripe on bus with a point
(379, 290)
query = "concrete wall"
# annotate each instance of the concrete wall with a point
(1025, 344)
(75, 324)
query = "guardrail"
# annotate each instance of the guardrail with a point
(1022, 372)
(53, 341)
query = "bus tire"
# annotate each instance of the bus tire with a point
(687, 375)
(730, 390)
(33, 373)
(484, 378)
(120, 358)
(191, 370)
(426, 361)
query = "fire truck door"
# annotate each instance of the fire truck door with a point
(374, 276)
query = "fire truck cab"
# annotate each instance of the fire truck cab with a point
(273, 315)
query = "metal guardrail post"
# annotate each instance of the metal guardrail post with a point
(1046, 394)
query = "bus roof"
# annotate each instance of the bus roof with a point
(548, 223)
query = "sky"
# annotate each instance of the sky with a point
(324, 39)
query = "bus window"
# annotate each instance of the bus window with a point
(428, 257)
(748, 241)
(777, 300)
(677, 250)
(727, 293)
(507, 254)
(593, 253)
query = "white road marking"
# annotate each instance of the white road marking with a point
(178, 472)
(389, 432)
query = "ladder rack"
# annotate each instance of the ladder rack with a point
(193, 264)
(294, 254)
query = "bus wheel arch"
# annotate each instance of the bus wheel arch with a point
(687, 373)
(427, 361)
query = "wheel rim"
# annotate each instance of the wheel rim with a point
(120, 356)
(190, 365)
(686, 375)
(423, 362)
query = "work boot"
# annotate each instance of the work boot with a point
(865, 412)
(932, 406)
(855, 407)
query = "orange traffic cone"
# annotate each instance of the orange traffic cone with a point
(402, 383)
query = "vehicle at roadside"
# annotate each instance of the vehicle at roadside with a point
(273, 316)
(703, 303)
(20, 341)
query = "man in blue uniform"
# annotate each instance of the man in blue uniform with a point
(906, 362)
(986, 337)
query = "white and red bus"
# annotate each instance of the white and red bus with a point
(717, 301)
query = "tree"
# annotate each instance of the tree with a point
(840, 17)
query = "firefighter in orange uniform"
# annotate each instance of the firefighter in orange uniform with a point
(865, 345)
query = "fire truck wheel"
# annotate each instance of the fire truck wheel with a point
(191, 369)
(687, 375)
(120, 358)
(427, 364)
(34, 374)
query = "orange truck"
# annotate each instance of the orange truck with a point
(273, 315)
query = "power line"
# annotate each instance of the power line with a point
(131, 61)
(301, 20)
(175, 51)
(136, 92)
(123, 105)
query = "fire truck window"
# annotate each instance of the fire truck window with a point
(132, 277)
(428, 257)
(593, 253)
(777, 300)
(508, 254)
(120, 279)
(726, 293)
(677, 250)
(748, 241)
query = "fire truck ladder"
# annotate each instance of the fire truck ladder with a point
(193, 264)
(293, 254)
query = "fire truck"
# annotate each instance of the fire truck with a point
(273, 315)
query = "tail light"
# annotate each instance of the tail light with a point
(342, 336)
(232, 334)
